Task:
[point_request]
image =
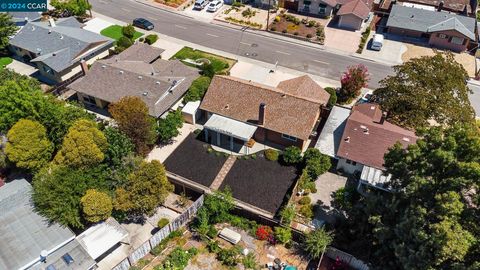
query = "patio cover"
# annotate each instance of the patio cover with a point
(375, 177)
(230, 127)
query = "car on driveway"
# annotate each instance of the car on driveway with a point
(214, 6)
(143, 23)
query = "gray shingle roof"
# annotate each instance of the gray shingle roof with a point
(430, 21)
(81, 259)
(25, 16)
(114, 78)
(58, 47)
(24, 233)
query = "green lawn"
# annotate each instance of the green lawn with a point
(115, 32)
(4, 61)
(219, 63)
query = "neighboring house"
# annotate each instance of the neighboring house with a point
(137, 71)
(442, 29)
(359, 140)
(25, 237)
(22, 18)
(321, 8)
(457, 6)
(57, 48)
(240, 112)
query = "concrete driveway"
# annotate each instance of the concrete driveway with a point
(203, 14)
(342, 40)
(96, 25)
(391, 51)
(21, 68)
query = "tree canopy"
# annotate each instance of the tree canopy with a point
(28, 146)
(119, 146)
(316, 242)
(168, 128)
(131, 115)
(431, 221)
(146, 188)
(83, 146)
(7, 29)
(352, 80)
(426, 88)
(96, 205)
(73, 7)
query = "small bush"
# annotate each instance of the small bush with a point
(284, 31)
(213, 247)
(277, 18)
(128, 31)
(306, 211)
(229, 257)
(311, 23)
(296, 33)
(162, 223)
(249, 261)
(253, 156)
(150, 39)
(333, 96)
(124, 42)
(141, 39)
(283, 235)
(309, 36)
(292, 155)
(273, 28)
(263, 232)
(271, 154)
(305, 200)
(197, 131)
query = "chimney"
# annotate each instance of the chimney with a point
(261, 114)
(84, 66)
(440, 5)
(52, 22)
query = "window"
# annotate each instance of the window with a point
(306, 6)
(89, 99)
(47, 69)
(457, 40)
(322, 8)
(288, 137)
(442, 36)
(348, 161)
(67, 259)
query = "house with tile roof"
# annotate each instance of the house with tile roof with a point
(29, 241)
(58, 48)
(240, 113)
(138, 71)
(350, 13)
(359, 139)
(442, 29)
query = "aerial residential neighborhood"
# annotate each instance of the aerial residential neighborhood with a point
(231, 134)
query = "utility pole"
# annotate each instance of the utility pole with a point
(268, 13)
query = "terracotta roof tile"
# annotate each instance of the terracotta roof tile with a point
(366, 140)
(306, 88)
(358, 8)
(240, 100)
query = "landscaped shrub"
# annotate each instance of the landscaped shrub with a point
(283, 235)
(213, 247)
(237, 4)
(128, 31)
(318, 166)
(150, 39)
(277, 18)
(333, 96)
(162, 223)
(178, 259)
(271, 154)
(306, 211)
(263, 233)
(249, 261)
(311, 23)
(311, 153)
(284, 31)
(229, 257)
(292, 155)
(295, 33)
(273, 28)
(305, 200)
(124, 42)
(197, 89)
(309, 35)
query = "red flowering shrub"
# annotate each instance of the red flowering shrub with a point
(264, 233)
(352, 81)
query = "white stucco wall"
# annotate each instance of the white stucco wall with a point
(349, 168)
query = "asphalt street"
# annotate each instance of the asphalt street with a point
(245, 43)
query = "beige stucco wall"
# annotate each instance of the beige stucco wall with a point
(314, 8)
(348, 168)
(350, 21)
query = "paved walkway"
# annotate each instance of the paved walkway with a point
(161, 152)
(223, 173)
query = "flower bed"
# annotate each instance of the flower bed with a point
(171, 3)
(305, 29)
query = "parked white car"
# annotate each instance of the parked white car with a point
(214, 5)
(377, 42)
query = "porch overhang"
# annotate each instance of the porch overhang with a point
(230, 127)
(375, 177)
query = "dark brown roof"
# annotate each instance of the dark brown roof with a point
(366, 140)
(140, 52)
(160, 84)
(306, 88)
(240, 100)
(358, 8)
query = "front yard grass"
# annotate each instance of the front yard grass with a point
(220, 64)
(260, 182)
(115, 32)
(4, 61)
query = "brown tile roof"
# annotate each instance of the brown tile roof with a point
(366, 140)
(112, 79)
(358, 8)
(306, 88)
(451, 5)
(240, 100)
(140, 52)
(331, 3)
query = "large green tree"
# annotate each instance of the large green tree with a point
(431, 221)
(131, 115)
(168, 128)
(7, 29)
(83, 146)
(146, 188)
(96, 205)
(28, 146)
(426, 88)
(119, 146)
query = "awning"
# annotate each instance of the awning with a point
(230, 127)
(375, 177)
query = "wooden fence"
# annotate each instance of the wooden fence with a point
(353, 262)
(145, 248)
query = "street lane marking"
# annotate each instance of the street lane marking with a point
(126, 10)
(244, 43)
(179, 26)
(151, 18)
(321, 62)
(212, 35)
(282, 52)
